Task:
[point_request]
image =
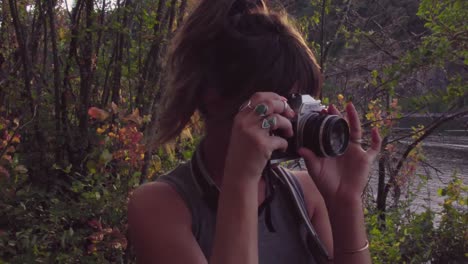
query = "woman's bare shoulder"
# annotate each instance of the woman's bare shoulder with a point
(155, 198)
(160, 226)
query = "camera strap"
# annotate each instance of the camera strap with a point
(314, 243)
(210, 192)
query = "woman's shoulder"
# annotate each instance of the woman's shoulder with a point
(155, 198)
(160, 196)
(160, 224)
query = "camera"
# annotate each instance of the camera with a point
(326, 135)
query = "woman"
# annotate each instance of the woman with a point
(235, 62)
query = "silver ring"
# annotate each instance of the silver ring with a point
(266, 124)
(286, 106)
(245, 105)
(356, 141)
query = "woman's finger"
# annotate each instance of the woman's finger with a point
(274, 102)
(312, 161)
(333, 111)
(376, 144)
(280, 124)
(277, 107)
(277, 143)
(355, 132)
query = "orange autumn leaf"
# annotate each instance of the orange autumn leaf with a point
(134, 117)
(16, 139)
(98, 114)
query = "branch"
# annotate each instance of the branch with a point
(428, 132)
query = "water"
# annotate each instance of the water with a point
(445, 155)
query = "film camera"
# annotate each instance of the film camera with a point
(326, 135)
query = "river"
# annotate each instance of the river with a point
(445, 155)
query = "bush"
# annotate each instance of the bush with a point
(410, 237)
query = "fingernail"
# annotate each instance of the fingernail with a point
(284, 99)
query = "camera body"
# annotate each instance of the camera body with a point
(326, 135)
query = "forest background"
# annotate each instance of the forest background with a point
(80, 85)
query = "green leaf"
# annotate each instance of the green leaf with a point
(442, 192)
(91, 166)
(105, 157)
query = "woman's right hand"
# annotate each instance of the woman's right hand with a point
(252, 145)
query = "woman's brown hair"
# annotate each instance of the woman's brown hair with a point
(236, 48)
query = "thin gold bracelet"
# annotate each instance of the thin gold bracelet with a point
(366, 246)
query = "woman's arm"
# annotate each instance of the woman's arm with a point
(316, 208)
(236, 237)
(341, 181)
(340, 227)
(349, 231)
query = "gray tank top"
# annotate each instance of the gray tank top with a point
(282, 237)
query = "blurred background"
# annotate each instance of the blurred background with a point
(80, 86)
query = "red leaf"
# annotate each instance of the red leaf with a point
(96, 237)
(95, 224)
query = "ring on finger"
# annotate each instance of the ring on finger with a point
(261, 109)
(247, 104)
(285, 106)
(356, 141)
(268, 123)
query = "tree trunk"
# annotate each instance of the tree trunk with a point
(157, 96)
(86, 72)
(67, 97)
(27, 77)
(182, 8)
(381, 199)
(57, 77)
(118, 63)
(151, 58)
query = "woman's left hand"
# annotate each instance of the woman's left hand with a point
(343, 177)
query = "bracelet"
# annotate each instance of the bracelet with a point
(366, 246)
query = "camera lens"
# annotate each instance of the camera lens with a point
(325, 135)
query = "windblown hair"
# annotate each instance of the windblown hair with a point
(236, 48)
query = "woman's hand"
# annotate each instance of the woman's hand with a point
(343, 177)
(251, 142)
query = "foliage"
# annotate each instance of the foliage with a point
(83, 220)
(421, 237)
(77, 108)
